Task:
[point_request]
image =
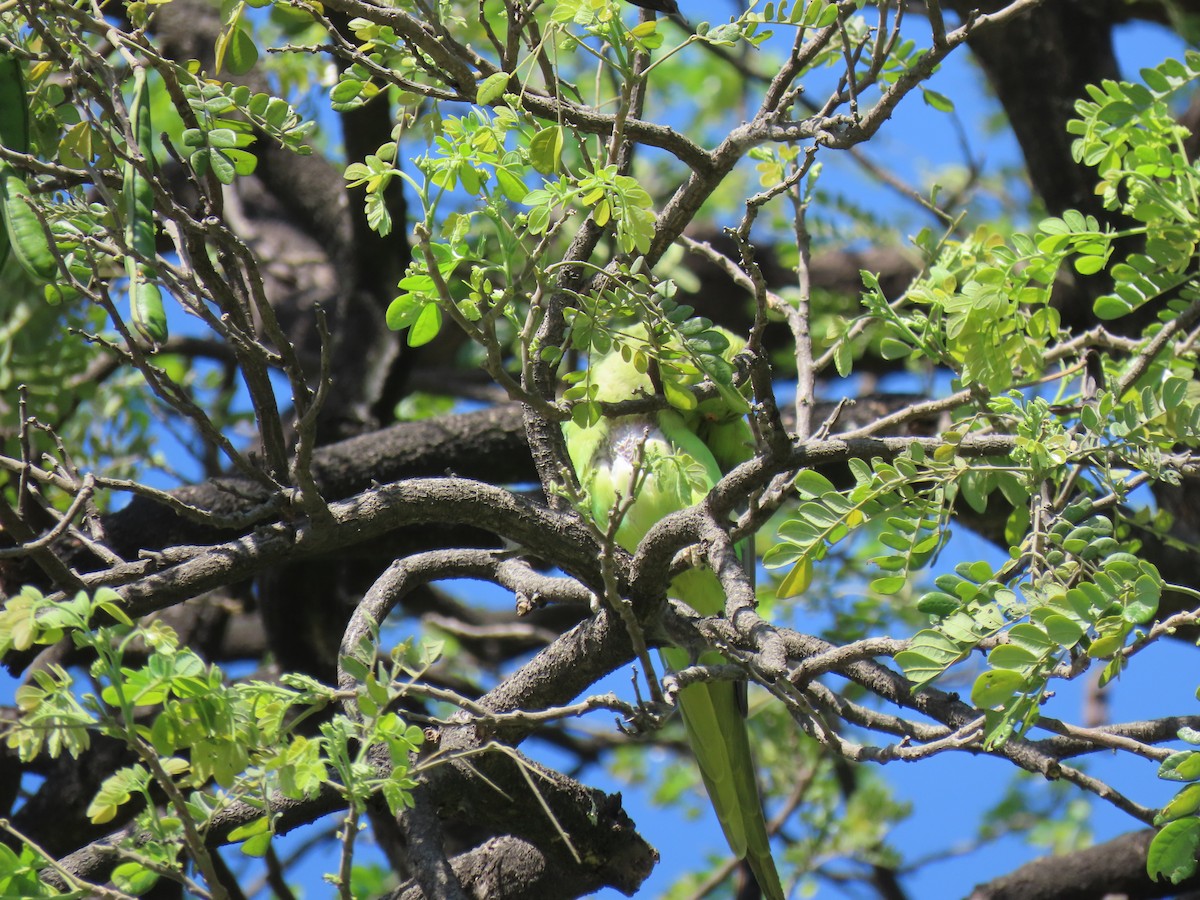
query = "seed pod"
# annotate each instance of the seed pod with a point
(14, 122)
(146, 310)
(23, 232)
(146, 313)
(26, 236)
(14, 109)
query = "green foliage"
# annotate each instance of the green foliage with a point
(907, 497)
(1074, 590)
(374, 174)
(19, 873)
(235, 48)
(984, 307)
(1128, 133)
(987, 297)
(1071, 587)
(1090, 600)
(608, 196)
(1172, 852)
(503, 157)
(201, 740)
(97, 238)
(382, 50)
(226, 117)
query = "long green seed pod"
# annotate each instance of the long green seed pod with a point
(28, 240)
(14, 122)
(14, 109)
(23, 230)
(146, 313)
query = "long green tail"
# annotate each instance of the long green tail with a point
(717, 734)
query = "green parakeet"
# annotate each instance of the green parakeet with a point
(677, 469)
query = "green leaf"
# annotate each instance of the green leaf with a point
(222, 166)
(936, 603)
(133, 878)
(797, 580)
(492, 88)
(1172, 852)
(811, 483)
(426, 327)
(276, 112)
(261, 825)
(996, 687)
(889, 584)
(545, 149)
(940, 102)
(1110, 307)
(678, 395)
(222, 138)
(587, 414)
(1186, 802)
(891, 348)
(646, 34)
(346, 91)
(1011, 656)
(929, 650)
(511, 185)
(403, 310)
(1191, 735)
(244, 162)
(1106, 645)
(1032, 638)
(240, 52)
(843, 358)
(918, 668)
(1063, 631)
(1142, 606)
(828, 15)
(1181, 766)
(257, 846)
